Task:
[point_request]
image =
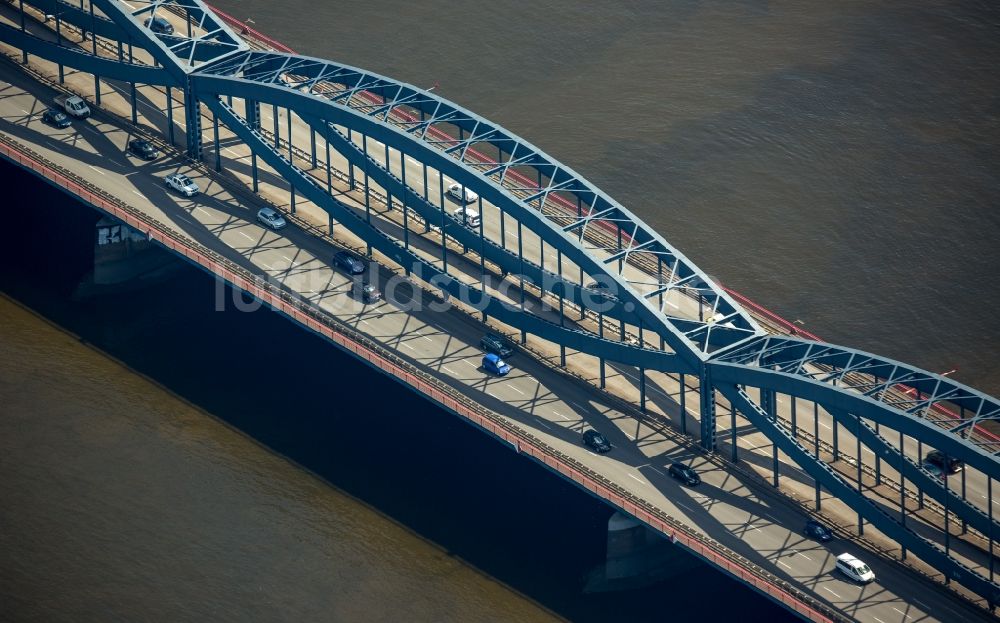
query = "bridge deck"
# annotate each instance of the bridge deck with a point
(731, 507)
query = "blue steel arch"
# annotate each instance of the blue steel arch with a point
(728, 351)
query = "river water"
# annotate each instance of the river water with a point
(836, 162)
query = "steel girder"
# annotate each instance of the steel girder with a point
(390, 247)
(905, 398)
(924, 549)
(84, 61)
(211, 39)
(915, 474)
(415, 121)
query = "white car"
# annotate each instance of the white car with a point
(467, 216)
(455, 190)
(854, 569)
(269, 217)
(182, 184)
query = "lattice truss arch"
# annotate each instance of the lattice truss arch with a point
(207, 37)
(910, 395)
(520, 172)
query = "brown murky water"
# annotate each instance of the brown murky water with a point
(119, 501)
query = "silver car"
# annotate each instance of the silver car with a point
(270, 217)
(182, 184)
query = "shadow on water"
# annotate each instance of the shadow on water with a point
(357, 429)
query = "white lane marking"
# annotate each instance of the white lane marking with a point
(684, 506)
(96, 169)
(635, 478)
(140, 194)
(824, 426)
(804, 556)
(24, 111)
(831, 592)
(901, 612)
(470, 364)
(517, 390)
(920, 604)
(672, 304)
(448, 370)
(542, 422)
(365, 322)
(407, 345)
(245, 235)
(656, 470)
(230, 151)
(560, 415)
(784, 565)
(877, 619)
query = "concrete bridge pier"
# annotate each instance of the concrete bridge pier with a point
(637, 557)
(125, 259)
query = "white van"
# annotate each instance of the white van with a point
(467, 216)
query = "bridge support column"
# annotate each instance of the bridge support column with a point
(684, 411)
(816, 449)
(707, 394)
(192, 109)
(24, 55)
(215, 136)
(252, 108)
(768, 402)
(902, 493)
(312, 147)
(732, 433)
(170, 116)
(857, 457)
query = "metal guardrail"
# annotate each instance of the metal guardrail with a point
(379, 357)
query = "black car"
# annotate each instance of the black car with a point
(56, 118)
(818, 531)
(142, 148)
(496, 344)
(596, 441)
(369, 294)
(685, 474)
(349, 262)
(160, 26)
(948, 464)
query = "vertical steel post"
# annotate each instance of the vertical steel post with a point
(857, 457)
(288, 117)
(62, 70)
(816, 448)
(707, 395)
(836, 440)
(768, 401)
(170, 115)
(562, 300)
(93, 50)
(989, 506)
(329, 169)
(878, 462)
(520, 270)
(733, 435)
(135, 112)
(312, 148)
(920, 461)
(947, 522)
(193, 109)
(600, 334)
(406, 220)
(902, 491)
(215, 136)
(684, 413)
(276, 139)
(482, 255)
(795, 425)
(24, 54)
(444, 223)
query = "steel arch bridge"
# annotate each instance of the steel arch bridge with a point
(650, 307)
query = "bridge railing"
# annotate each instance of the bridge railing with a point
(444, 394)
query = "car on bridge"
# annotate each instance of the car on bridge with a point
(159, 25)
(596, 441)
(685, 474)
(271, 218)
(142, 148)
(938, 459)
(854, 569)
(56, 118)
(349, 262)
(462, 194)
(818, 531)
(496, 344)
(493, 364)
(182, 184)
(467, 216)
(367, 292)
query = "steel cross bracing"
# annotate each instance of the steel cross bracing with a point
(727, 351)
(519, 179)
